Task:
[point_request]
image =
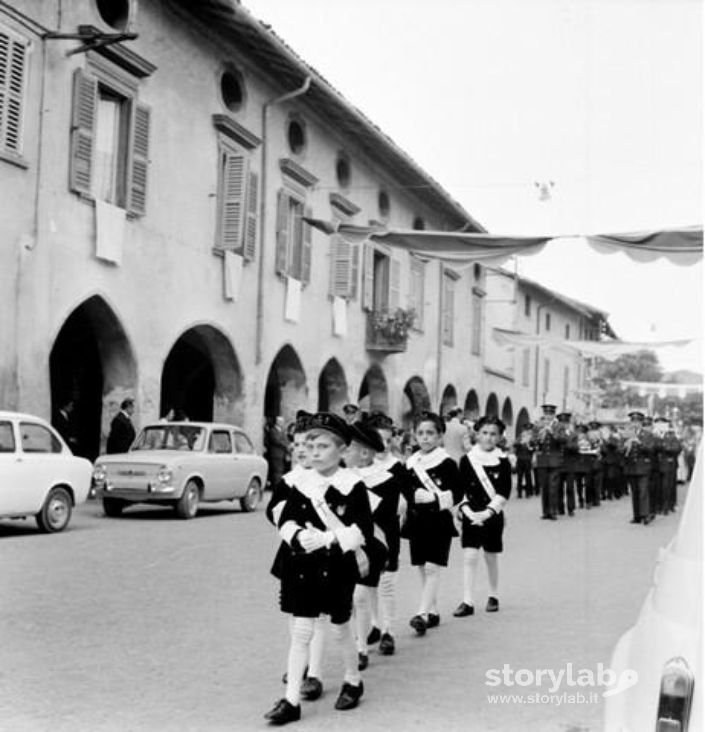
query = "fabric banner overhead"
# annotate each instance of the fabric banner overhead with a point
(608, 350)
(680, 246)
(661, 390)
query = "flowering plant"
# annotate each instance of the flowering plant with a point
(393, 325)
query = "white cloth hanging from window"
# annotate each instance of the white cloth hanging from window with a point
(109, 231)
(232, 275)
(292, 309)
(340, 316)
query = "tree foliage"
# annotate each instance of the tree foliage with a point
(640, 366)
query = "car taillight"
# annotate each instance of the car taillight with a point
(675, 696)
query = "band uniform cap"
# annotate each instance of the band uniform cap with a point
(549, 408)
(331, 423)
(379, 420)
(637, 415)
(662, 419)
(366, 435)
(594, 425)
(350, 408)
(564, 417)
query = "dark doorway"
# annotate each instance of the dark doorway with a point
(332, 388)
(188, 380)
(472, 405)
(285, 393)
(373, 395)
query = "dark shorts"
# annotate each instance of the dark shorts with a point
(487, 537)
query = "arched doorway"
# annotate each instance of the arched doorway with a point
(202, 378)
(522, 420)
(492, 406)
(286, 386)
(449, 399)
(92, 364)
(507, 413)
(416, 399)
(332, 388)
(472, 405)
(373, 395)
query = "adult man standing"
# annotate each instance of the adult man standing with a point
(64, 422)
(524, 450)
(122, 433)
(638, 456)
(455, 435)
(549, 439)
(668, 466)
(276, 445)
(566, 484)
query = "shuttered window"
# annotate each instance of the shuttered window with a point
(13, 62)
(110, 133)
(476, 325)
(238, 198)
(416, 296)
(294, 238)
(448, 308)
(525, 366)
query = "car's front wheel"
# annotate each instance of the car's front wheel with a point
(113, 507)
(56, 511)
(252, 497)
(187, 505)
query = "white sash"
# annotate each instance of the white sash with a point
(482, 476)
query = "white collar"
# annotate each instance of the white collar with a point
(485, 457)
(373, 475)
(313, 485)
(387, 462)
(294, 474)
(427, 460)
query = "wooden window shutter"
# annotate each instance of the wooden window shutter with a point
(307, 245)
(354, 270)
(85, 96)
(394, 284)
(232, 198)
(12, 75)
(341, 266)
(282, 232)
(139, 160)
(251, 223)
(368, 274)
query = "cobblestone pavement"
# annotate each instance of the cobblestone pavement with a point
(151, 623)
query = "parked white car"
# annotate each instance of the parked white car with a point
(662, 652)
(39, 475)
(182, 464)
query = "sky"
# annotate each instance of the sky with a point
(598, 100)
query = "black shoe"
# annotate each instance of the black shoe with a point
(635, 520)
(551, 518)
(311, 688)
(349, 696)
(571, 513)
(492, 605)
(373, 636)
(386, 645)
(434, 620)
(418, 624)
(363, 661)
(463, 610)
(283, 712)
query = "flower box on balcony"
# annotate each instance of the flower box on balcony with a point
(388, 330)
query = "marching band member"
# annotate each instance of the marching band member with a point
(486, 478)
(638, 454)
(431, 490)
(549, 458)
(326, 521)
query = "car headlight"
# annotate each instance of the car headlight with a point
(99, 474)
(164, 475)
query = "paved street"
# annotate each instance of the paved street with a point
(151, 623)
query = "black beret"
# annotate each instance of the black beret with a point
(331, 423)
(303, 421)
(367, 435)
(636, 415)
(378, 420)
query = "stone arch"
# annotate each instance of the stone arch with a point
(472, 405)
(286, 391)
(202, 378)
(523, 419)
(91, 363)
(507, 413)
(332, 387)
(416, 399)
(492, 406)
(449, 399)
(373, 395)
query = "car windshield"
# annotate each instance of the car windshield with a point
(171, 437)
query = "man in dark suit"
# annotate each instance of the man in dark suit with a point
(64, 422)
(638, 456)
(122, 433)
(550, 440)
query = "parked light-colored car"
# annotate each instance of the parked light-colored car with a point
(182, 464)
(39, 475)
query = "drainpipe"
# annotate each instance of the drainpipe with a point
(259, 334)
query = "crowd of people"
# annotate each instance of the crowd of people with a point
(347, 490)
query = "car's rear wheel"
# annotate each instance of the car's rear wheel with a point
(252, 497)
(56, 511)
(113, 507)
(187, 505)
